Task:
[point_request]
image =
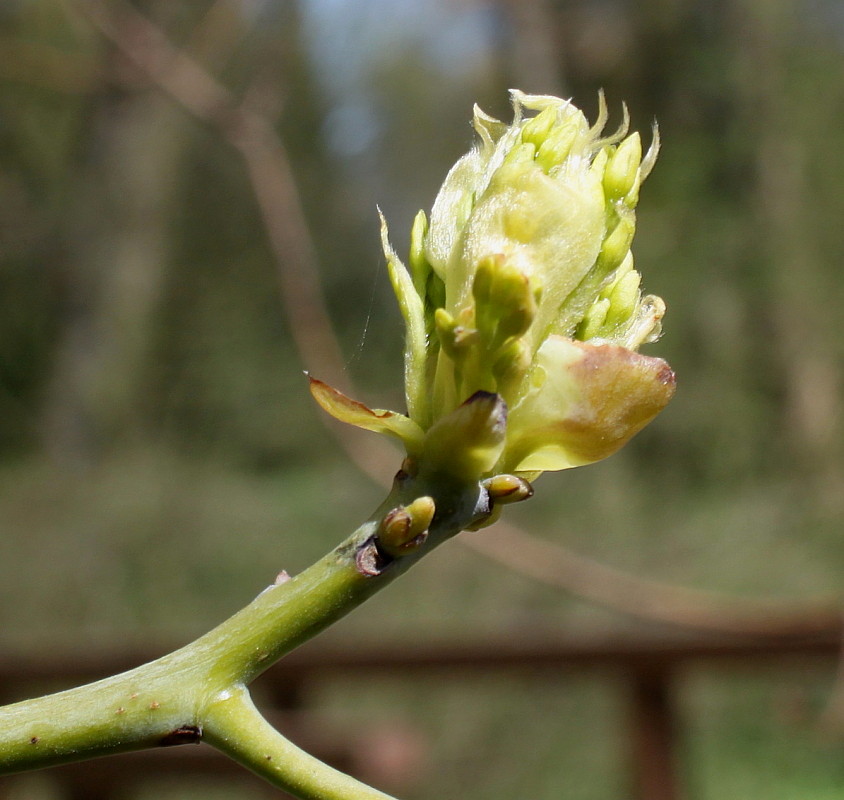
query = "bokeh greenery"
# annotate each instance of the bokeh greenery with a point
(160, 459)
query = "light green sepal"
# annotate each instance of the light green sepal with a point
(413, 310)
(467, 442)
(372, 419)
(488, 128)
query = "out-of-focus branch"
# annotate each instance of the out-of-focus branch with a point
(268, 167)
(266, 161)
(677, 605)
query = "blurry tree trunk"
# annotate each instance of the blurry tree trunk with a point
(793, 116)
(116, 254)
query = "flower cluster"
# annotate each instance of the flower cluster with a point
(522, 306)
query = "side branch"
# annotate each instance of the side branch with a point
(158, 703)
(198, 692)
(237, 728)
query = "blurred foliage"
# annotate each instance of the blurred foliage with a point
(152, 407)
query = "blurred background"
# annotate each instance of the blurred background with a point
(180, 180)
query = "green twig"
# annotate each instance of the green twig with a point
(199, 692)
(236, 727)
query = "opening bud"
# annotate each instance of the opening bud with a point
(557, 146)
(616, 246)
(467, 442)
(405, 529)
(536, 129)
(508, 489)
(622, 170)
(520, 294)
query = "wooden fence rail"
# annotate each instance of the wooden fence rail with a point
(648, 663)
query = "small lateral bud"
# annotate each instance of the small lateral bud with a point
(516, 304)
(624, 298)
(483, 281)
(504, 301)
(454, 337)
(593, 321)
(511, 363)
(404, 529)
(508, 489)
(445, 326)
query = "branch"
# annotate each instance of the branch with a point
(237, 728)
(265, 157)
(198, 692)
(648, 599)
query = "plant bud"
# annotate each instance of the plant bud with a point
(508, 489)
(622, 170)
(405, 529)
(521, 295)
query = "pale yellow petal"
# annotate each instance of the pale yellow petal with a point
(585, 402)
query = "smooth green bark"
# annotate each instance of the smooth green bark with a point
(199, 692)
(236, 727)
